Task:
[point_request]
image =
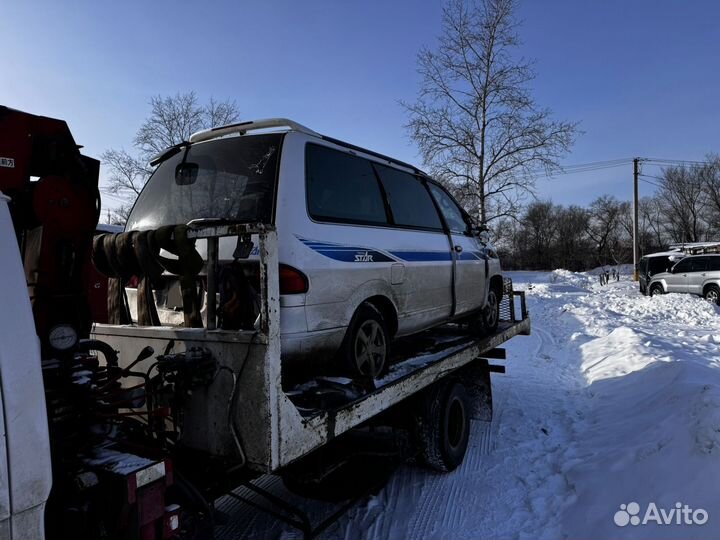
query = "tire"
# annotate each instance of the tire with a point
(491, 313)
(656, 289)
(444, 426)
(366, 346)
(712, 294)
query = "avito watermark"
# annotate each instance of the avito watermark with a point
(680, 514)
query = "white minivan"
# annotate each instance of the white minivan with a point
(370, 248)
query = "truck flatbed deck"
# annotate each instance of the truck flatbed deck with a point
(417, 361)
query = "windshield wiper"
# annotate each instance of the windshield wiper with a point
(168, 153)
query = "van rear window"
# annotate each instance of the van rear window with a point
(342, 187)
(232, 178)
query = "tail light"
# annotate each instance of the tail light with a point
(292, 281)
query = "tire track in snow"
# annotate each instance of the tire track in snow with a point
(430, 498)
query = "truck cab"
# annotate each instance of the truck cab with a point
(25, 472)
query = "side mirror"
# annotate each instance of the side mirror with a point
(481, 233)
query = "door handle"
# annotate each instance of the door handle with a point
(458, 249)
(703, 274)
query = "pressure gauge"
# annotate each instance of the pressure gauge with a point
(62, 337)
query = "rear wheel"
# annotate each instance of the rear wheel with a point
(656, 289)
(365, 348)
(712, 294)
(444, 426)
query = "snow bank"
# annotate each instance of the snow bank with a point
(649, 430)
(652, 436)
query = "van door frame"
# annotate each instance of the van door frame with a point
(448, 234)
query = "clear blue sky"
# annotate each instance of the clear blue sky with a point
(642, 76)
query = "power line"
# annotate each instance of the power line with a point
(600, 163)
(649, 182)
(651, 176)
(676, 161)
(581, 168)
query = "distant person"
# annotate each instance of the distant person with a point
(607, 277)
(617, 275)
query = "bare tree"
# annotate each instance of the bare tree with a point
(684, 202)
(475, 121)
(572, 248)
(539, 227)
(172, 120)
(652, 222)
(604, 229)
(709, 176)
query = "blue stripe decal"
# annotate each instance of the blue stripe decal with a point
(345, 253)
(422, 256)
(340, 252)
(353, 255)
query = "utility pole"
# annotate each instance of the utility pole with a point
(636, 212)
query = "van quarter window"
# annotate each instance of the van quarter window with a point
(451, 211)
(410, 202)
(714, 263)
(342, 188)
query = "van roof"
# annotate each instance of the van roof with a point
(285, 124)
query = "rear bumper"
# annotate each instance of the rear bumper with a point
(311, 346)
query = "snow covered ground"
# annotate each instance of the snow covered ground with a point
(614, 400)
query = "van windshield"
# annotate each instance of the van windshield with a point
(231, 178)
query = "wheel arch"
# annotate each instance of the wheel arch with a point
(656, 284)
(708, 286)
(496, 284)
(386, 307)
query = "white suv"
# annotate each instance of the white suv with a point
(697, 274)
(370, 248)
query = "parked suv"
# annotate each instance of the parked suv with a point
(370, 248)
(655, 263)
(696, 274)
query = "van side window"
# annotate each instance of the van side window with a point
(409, 201)
(714, 264)
(451, 211)
(342, 187)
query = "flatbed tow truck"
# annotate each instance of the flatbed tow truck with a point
(277, 429)
(184, 416)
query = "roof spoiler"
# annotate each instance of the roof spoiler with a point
(252, 125)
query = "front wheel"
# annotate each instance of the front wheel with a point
(491, 313)
(712, 294)
(656, 289)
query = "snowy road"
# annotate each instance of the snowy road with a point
(614, 399)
